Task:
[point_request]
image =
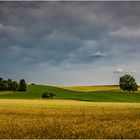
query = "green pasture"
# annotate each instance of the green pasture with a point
(110, 95)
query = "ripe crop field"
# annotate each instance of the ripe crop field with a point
(90, 88)
(110, 113)
(20, 118)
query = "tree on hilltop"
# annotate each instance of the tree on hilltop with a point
(9, 82)
(14, 86)
(127, 82)
(10, 85)
(22, 85)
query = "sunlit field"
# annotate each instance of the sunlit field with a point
(106, 112)
(90, 88)
(20, 118)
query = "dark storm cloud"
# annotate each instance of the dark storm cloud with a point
(36, 34)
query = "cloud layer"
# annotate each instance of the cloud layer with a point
(69, 43)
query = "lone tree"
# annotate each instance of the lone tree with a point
(127, 82)
(22, 85)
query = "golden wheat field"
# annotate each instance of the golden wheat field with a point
(91, 88)
(68, 119)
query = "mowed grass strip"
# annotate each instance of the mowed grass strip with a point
(55, 119)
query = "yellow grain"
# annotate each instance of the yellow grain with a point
(90, 88)
(61, 119)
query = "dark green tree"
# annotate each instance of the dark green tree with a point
(51, 95)
(9, 81)
(48, 95)
(4, 85)
(127, 82)
(14, 86)
(22, 85)
(1, 79)
(8, 84)
(45, 95)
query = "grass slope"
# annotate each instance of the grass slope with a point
(35, 92)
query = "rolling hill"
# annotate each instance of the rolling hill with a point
(110, 95)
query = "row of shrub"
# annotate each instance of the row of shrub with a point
(9, 84)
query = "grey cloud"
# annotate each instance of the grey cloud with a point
(99, 54)
(36, 34)
(126, 33)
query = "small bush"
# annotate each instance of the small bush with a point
(32, 83)
(52, 94)
(48, 95)
(45, 95)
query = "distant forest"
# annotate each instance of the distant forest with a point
(6, 85)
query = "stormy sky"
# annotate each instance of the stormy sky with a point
(70, 43)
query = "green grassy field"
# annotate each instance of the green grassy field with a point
(68, 119)
(110, 95)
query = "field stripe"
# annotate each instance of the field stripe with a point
(65, 104)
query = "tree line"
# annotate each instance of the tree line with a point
(9, 84)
